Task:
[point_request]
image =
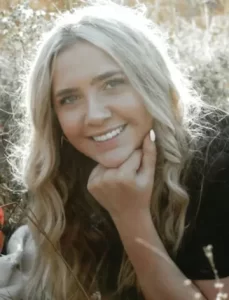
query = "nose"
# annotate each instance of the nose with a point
(97, 112)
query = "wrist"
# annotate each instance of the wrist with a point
(132, 218)
(134, 225)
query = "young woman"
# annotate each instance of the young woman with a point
(127, 169)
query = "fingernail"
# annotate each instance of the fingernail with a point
(152, 135)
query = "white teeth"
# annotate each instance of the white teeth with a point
(108, 135)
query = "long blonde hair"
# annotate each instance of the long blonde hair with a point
(72, 227)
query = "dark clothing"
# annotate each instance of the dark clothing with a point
(208, 213)
(207, 218)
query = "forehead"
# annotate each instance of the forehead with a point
(80, 62)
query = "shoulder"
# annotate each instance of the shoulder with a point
(207, 216)
(209, 171)
(16, 263)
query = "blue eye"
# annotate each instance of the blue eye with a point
(114, 83)
(68, 100)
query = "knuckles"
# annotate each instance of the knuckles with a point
(111, 181)
(124, 177)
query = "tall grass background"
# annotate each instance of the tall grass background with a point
(198, 33)
(199, 37)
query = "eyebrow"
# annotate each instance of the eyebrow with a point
(96, 79)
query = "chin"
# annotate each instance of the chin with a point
(113, 162)
(114, 159)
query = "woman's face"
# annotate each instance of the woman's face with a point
(98, 109)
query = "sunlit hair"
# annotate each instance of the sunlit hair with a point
(71, 248)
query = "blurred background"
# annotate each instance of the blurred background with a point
(198, 33)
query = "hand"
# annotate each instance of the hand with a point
(128, 188)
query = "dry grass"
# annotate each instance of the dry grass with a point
(164, 9)
(198, 34)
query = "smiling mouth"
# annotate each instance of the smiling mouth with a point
(110, 135)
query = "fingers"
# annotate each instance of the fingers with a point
(97, 172)
(101, 176)
(132, 164)
(147, 168)
(141, 163)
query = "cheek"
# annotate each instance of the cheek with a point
(148, 119)
(142, 113)
(134, 109)
(127, 106)
(71, 123)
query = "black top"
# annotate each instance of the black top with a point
(207, 216)
(208, 187)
